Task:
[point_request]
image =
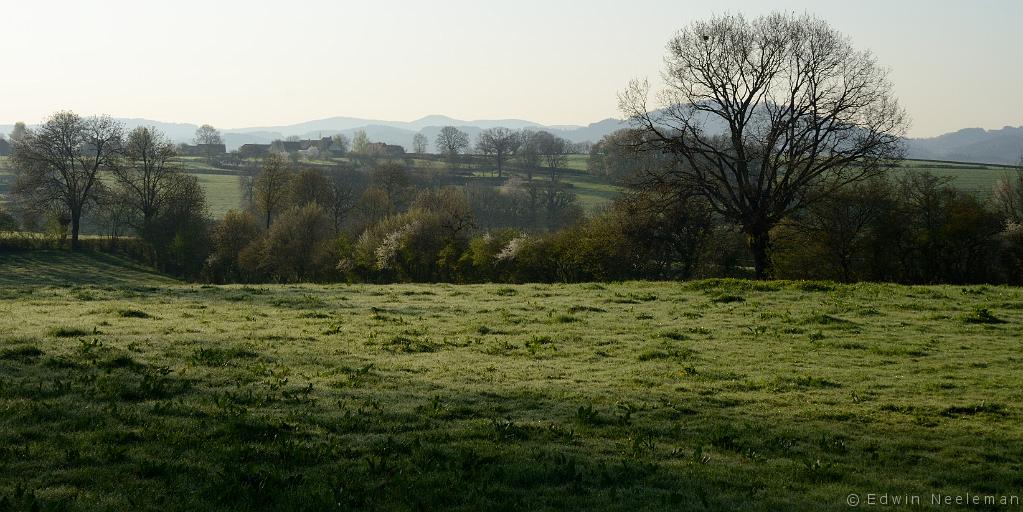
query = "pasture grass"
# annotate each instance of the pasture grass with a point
(126, 391)
(594, 193)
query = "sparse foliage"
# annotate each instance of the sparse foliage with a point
(767, 116)
(271, 187)
(451, 142)
(59, 164)
(500, 143)
(419, 143)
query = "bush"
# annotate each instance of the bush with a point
(916, 230)
(299, 246)
(228, 239)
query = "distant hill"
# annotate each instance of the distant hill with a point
(1002, 146)
(401, 133)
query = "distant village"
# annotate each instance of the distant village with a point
(310, 148)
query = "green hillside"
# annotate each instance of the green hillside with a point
(127, 391)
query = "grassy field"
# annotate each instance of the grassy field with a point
(979, 179)
(222, 193)
(123, 390)
(593, 192)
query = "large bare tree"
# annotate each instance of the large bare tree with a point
(346, 185)
(145, 174)
(271, 187)
(451, 142)
(419, 143)
(766, 116)
(208, 136)
(59, 164)
(553, 151)
(499, 142)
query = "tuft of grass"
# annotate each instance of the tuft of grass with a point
(586, 309)
(806, 382)
(133, 313)
(408, 344)
(981, 316)
(564, 319)
(535, 344)
(587, 415)
(219, 356)
(122, 361)
(21, 353)
(828, 320)
(674, 335)
(727, 298)
(814, 286)
(971, 410)
(654, 354)
(64, 331)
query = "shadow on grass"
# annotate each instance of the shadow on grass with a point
(101, 429)
(60, 268)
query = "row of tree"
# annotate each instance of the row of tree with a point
(389, 223)
(912, 228)
(774, 129)
(532, 147)
(72, 165)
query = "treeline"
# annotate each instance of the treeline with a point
(386, 222)
(913, 228)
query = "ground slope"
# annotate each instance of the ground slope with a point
(712, 395)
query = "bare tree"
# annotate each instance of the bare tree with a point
(419, 143)
(271, 188)
(767, 116)
(18, 132)
(451, 142)
(207, 135)
(360, 142)
(499, 142)
(341, 142)
(310, 185)
(247, 186)
(552, 150)
(529, 152)
(346, 185)
(144, 174)
(1008, 195)
(59, 164)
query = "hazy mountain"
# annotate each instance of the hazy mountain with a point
(1003, 146)
(401, 133)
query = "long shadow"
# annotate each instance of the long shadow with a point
(59, 268)
(102, 429)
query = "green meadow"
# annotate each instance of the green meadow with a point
(124, 390)
(594, 193)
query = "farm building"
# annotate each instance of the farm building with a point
(202, 149)
(382, 149)
(253, 150)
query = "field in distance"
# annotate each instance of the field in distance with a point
(593, 192)
(144, 393)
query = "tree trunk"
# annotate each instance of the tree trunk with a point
(759, 239)
(76, 222)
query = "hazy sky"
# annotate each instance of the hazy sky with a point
(255, 63)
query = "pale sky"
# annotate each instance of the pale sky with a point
(235, 64)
